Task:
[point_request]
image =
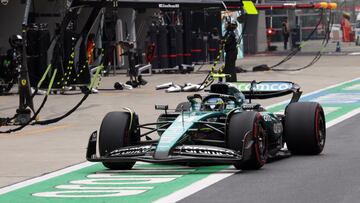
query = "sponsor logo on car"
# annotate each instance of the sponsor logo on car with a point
(131, 151)
(265, 86)
(205, 150)
(278, 128)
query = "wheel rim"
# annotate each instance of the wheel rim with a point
(320, 129)
(260, 143)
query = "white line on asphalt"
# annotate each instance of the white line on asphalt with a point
(342, 118)
(197, 186)
(44, 177)
(185, 192)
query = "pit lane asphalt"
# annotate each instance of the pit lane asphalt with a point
(332, 177)
(38, 150)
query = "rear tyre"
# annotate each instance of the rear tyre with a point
(305, 130)
(240, 125)
(117, 130)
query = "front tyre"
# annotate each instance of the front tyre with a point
(305, 129)
(118, 129)
(248, 123)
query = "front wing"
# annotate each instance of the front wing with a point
(179, 154)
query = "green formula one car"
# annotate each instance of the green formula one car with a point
(224, 126)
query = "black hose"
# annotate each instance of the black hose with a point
(57, 119)
(50, 121)
(295, 51)
(319, 53)
(31, 119)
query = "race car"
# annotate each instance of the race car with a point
(224, 126)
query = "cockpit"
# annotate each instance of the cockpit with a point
(213, 102)
(217, 104)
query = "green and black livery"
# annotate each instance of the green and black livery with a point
(222, 127)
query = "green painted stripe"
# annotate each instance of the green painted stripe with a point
(187, 176)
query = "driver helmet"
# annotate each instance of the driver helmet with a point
(214, 104)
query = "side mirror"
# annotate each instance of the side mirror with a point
(162, 107)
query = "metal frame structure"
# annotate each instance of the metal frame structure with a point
(25, 98)
(162, 4)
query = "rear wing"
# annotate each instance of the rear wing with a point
(268, 89)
